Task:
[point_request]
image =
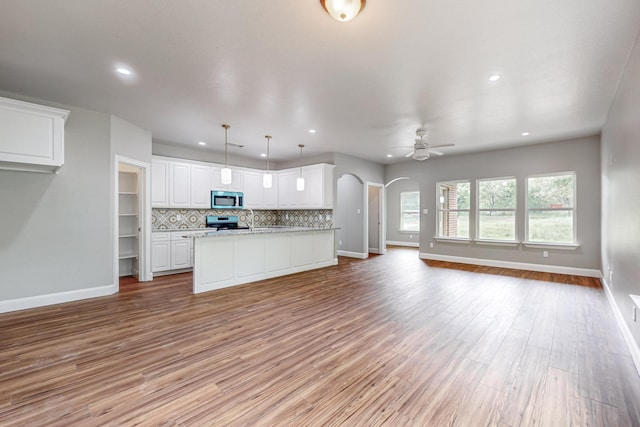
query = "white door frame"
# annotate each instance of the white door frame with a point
(381, 214)
(144, 202)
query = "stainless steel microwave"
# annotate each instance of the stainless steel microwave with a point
(227, 200)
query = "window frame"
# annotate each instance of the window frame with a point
(574, 209)
(402, 211)
(514, 210)
(440, 211)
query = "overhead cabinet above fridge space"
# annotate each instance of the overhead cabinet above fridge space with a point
(185, 184)
(31, 136)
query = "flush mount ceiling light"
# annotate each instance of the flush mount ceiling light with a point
(225, 173)
(267, 178)
(343, 10)
(494, 78)
(202, 143)
(123, 71)
(300, 180)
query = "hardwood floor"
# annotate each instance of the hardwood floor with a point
(391, 340)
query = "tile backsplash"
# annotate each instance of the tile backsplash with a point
(181, 219)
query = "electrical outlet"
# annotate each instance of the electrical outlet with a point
(286, 216)
(431, 245)
(545, 254)
(358, 211)
(411, 236)
(339, 242)
(327, 218)
(179, 217)
(425, 211)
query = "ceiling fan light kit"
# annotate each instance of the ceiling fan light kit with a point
(343, 10)
(422, 150)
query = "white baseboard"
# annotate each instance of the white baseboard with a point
(622, 325)
(353, 254)
(57, 298)
(587, 272)
(409, 244)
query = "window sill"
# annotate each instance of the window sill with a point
(409, 232)
(560, 246)
(512, 243)
(452, 240)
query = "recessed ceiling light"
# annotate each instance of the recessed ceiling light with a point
(389, 155)
(123, 71)
(312, 131)
(494, 78)
(202, 143)
(525, 134)
(263, 155)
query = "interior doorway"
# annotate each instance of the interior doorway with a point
(375, 219)
(132, 221)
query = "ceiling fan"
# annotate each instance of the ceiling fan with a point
(422, 150)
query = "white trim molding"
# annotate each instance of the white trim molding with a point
(398, 243)
(587, 272)
(353, 254)
(622, 325)
(57, 298)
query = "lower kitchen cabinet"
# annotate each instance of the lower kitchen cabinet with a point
(170, 251)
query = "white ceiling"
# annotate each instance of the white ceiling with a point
(283, 67)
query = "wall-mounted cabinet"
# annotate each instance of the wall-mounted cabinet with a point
(31, 136)
(236, 179)
(187, 185)
(318, 188)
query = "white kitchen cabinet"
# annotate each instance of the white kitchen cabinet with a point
(160, 252)
(180, 254)
(179, 185)
(31, 136)
(255, 195)
(318, 188)
(288, 196)
(159, 183)
(201, 185)
(236, 180)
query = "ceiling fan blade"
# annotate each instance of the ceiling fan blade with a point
(235, 145)
(436, 152)
(441, 145)
(409, 154)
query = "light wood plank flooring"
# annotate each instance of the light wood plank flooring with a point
(392, 340)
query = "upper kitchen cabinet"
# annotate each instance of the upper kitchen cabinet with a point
(179, 185)
(159, 183)
(201, 179)
(255, 195)
(236, 180)
(31, 136)
(318, 188)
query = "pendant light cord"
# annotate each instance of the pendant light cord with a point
(226, 127)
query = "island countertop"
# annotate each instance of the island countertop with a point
(256, 230)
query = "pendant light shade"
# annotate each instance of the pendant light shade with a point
(267, 178)
(225, 173)
(225, 176)
(343, 10)
(300, 180)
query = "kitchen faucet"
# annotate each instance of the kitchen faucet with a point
(250, 210)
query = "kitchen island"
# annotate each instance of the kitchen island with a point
(233, 257)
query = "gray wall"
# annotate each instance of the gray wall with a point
(621, 192)
(203, 155)
(56, 230)
(348, 201)
(581, 155)
(393, 211)
(130, 141)
(349, 215)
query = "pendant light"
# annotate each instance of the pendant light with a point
(343, 10)
(225, 173)
(267, 178)
(300, 180)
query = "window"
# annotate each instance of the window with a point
(410, 211)
(453, 209)
(497, 209)
(551, 208)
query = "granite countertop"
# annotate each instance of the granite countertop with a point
(256, 230)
